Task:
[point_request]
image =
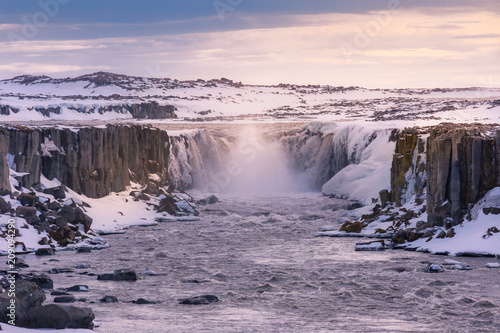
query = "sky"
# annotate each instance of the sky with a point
(371, 43)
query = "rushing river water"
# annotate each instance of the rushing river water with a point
(260, 257)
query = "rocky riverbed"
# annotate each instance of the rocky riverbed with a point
(259, 256)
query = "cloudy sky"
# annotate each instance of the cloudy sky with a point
(371, 43)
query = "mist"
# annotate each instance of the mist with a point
(256, 165)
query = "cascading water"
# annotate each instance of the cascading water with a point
(248, 163)
(253, 159)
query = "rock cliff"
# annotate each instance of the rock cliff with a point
(145, 110)
(89, 160)
(463, 164)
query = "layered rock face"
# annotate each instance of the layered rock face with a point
(463, 164)
(146, 110)
(450, 165)
(89, 160)
(408, 170)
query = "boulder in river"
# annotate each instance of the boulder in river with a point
(61, 316)
(65, 299)
(378, 245)
(125, 274)
(433, 268)
(44, 251)
(197, 300)
(109, 299)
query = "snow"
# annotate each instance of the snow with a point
(471, 235)
(210, 99)
(117, 211)
(364, 180)
(28, 235)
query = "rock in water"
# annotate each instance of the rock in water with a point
(203, 299)
(378, 245)
(493, 265)
(462, 267)
(143, 301)
(84, 249)
(78, 287)
(125, 275)
(65, 299)
(18, 262)
(433, 268)
(62, 316)
(109, 299)
(44, 251)
(41, 280)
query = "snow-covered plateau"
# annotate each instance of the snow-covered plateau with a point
(107, 161)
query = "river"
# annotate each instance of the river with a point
(259, 255)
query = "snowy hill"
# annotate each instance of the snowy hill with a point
(111, 96)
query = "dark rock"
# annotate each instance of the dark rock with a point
(352, 227)
(441, 234)
(105, 277)
(354, 205)
(429, 233)
(54, 205)
(60, 270)
(385, 197)
(84, 249)
(400, 236)
(142, 196)
(119, 275)
(27, 199)
(61, 316)
(4, 206)
(203, 299)
(82, 265)
(495, 210)
(378, 245)
(459, 170)
(152, 189)
(450, 233)
(78, 287)
(208, 201)
(59, 293)
(65, 299)
(45, 251)
(167, 205)
(143, 301)
(58, 192)
(19, 263)
(28, 213)
(124, 275)
(433, 268)
(28, 297)
(41, 280)
(83, 218)
(109, 299)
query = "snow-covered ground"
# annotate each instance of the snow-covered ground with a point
(224, 99)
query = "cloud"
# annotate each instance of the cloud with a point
(382, 50)
(43, 68)
(480, 36)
